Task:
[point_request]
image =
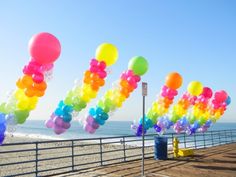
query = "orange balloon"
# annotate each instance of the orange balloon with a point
(19, 84)
(29, 92)
(174, 80)
(124, 83)
(27, 81)
(40, 87)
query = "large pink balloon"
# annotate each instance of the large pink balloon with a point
(44, 48)
(221, 96)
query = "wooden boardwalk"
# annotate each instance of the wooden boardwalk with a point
(217, 161)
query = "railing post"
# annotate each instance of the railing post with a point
(101, 160)
(124, 148)
(204, 140)
(72, 155)
(36, 159)
(184, 141)
(195, 143)
(172, 137)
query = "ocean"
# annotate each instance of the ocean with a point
(36, 129)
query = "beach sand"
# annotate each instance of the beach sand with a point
(84, 151)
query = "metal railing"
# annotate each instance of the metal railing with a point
(45, 158)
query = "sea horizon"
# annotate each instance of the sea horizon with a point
(35, 129)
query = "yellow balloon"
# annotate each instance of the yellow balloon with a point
(195, 88)
(108, 53)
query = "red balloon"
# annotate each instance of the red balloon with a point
(44, 48)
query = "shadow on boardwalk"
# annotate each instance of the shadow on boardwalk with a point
(215, 161)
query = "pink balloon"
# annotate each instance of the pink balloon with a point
(124, 76)
(49, 123)
(102, 74)
(46, 67)
(102, 65)
(129, 73)
(137, 78)
(93, 62)
(207, 92)
(221, 96)
(93, 69)
(44, 48)
(38, 77)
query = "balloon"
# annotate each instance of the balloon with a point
(108, 53)
(174, 80)
(49, 123)
(195, 88)
(221, 96)
(228, 100)
(21, 115)
(207, 92)
(44, 48)
(2, 137)
(138, 65)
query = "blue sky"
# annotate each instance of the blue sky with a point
(196, 38)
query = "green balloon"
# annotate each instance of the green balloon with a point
(21, 116)
(3, 108)
(138, 65)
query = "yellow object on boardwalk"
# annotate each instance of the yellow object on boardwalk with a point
(185, 152)
(176, 147)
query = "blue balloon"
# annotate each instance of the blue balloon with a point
(228, 100)
(99, 110)
(61, 104)
(92, 112)
(157, 128)
(2, 128)
(98, 119)
(67, 118)
(2, 118)
(2, 136)
(67, 109)
(59, 112)
(104, 116)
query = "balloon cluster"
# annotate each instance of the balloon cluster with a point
(212, 112)
(179, 112)
(115, 97)
(78, 98)
(44, 49)
(200, 113)
(160, 107)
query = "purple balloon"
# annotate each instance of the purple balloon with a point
(58, 121)
(66, 125)
(157, 128)
(59, 130)
(49, 123)
(89, 129)
(90, 120)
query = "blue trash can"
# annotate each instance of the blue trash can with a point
(160, 148)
